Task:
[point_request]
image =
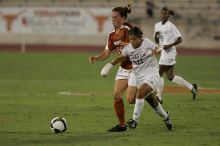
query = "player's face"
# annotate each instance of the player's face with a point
(164, 15)
(135, 41)
(117, 20)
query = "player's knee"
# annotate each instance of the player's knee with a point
(151, 99)
(117, 96)
(131, 100)
(141, 95)
(170, 77)
(161, 74)
(148, 96)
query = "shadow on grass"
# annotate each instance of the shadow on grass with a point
(67, 138)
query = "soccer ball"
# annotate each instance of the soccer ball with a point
(58, 125)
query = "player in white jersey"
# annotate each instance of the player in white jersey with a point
(168, 36)
(141, 52)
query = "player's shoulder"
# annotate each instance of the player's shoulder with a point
(128, 46)
(126, 49)
(171, 23)
(111, 32)
(158, 23)
(123, 28)
(127, 25)
(146, 40)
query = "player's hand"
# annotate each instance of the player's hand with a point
(157, 34)
(157, 51)
(92, 59)
(121, 43)
(106, 69)
(165, 47)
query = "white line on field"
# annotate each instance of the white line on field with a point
(80, 93)
(83, 94)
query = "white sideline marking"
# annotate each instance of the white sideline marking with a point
(82, 94)
(200, 89)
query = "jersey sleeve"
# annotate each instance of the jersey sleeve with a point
(151, 44)
(124, 51)
(155, 28)
(126, 39)
(176, 33)
(109, 43)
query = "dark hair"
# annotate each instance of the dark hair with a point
(123, 11)
(171, 12)
(136, 31)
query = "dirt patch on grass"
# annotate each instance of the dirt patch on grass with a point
(177, 89)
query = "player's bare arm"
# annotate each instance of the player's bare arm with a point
(178, 41)
(102, 56)
(118, 59)
(107, 68)
(122, 44)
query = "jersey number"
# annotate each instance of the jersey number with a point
(139, 62)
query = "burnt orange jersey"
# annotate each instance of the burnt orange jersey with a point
(113, 43)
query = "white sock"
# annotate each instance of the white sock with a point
(160, 88)
(160, 111)
(138, 107)
(179, 80)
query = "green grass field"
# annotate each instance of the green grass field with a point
(29, 98)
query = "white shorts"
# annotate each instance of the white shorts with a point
(132, 79)
(151, 80)
(122, 74)
(167, 60)
(126, 74)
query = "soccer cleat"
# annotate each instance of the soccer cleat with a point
(168, 122)
(132, 124)
(194, 91)
(117, 128)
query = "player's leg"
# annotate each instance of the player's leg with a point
(131, 94)
(152, 100)
(120, 87)
(163, 66)
(146, 91)
(139, 104)
(180, 81)
(132, 89)
(160, 87)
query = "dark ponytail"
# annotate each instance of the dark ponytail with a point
(123, 11)
(172, 12)
(128, 8)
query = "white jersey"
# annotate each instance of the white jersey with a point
(143, 60)
(168, 35)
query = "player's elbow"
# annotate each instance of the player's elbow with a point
(156, 40)
(179, 40)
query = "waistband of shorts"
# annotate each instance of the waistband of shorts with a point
(126, 70)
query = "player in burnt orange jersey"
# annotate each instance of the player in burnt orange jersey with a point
(116, 39)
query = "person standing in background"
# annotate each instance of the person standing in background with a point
(150, 8)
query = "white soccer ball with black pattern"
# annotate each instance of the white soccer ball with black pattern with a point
(58, 125)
